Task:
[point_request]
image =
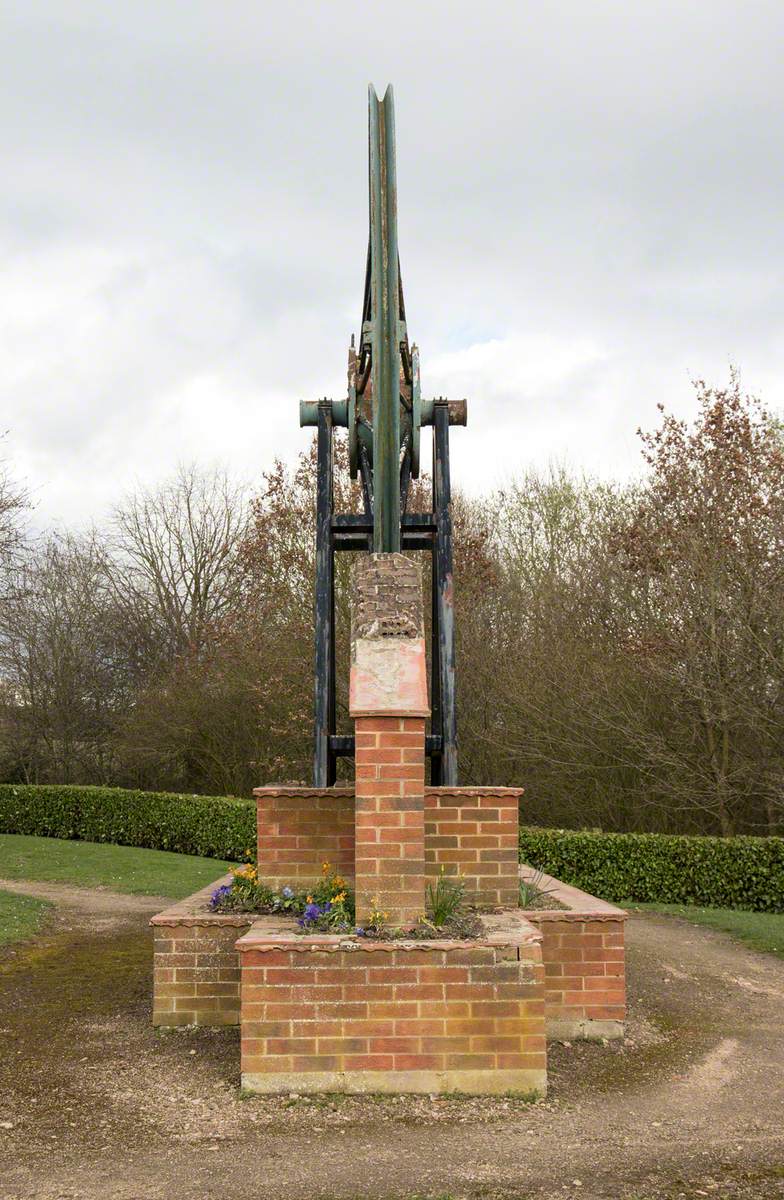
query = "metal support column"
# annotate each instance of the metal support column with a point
(443, 598)
(324, 757)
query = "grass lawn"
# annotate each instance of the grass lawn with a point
(20, 917)
(94, 864)
(761, 931)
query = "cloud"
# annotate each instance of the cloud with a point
(589, 215)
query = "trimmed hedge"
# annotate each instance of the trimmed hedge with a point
(740, 872)
(735, 872)
(210, 826)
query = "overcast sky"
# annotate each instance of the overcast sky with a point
(590, 198)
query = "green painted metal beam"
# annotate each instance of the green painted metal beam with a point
(385, 317)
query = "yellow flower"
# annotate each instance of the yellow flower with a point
(308, 899)
(340, 896)
(325, 866)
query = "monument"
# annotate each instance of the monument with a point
(400, 1001)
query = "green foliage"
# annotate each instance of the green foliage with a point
(534, 893)
(444, 899)
(92, 864)
(20, 917)
(735, 872)
(210, 826)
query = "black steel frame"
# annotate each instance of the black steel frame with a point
(419, 531)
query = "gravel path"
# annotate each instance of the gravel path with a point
(94, 1105)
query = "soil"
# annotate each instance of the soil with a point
(95, 1104)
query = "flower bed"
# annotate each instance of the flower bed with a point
(329, 907)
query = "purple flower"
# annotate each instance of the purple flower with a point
(312, 912)
(287, 892)
(218, 895)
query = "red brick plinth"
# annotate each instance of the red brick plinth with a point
(197, 965)
(331, 1014)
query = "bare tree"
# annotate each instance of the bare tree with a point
(14, 501)
(62, 663)
(172, 559)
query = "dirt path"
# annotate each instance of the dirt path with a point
(94, 1105)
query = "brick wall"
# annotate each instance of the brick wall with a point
(470, 830)
(473, 832)
(417, 1017)
(389, 859)
(585, 993)
(584, 961)
(196, 966)
(301, 828)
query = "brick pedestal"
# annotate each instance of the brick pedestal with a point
(390, 818)
(388, 701)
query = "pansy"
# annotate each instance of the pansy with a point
(219, 893)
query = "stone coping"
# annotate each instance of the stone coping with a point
(579, 906)
(510, 927)
(457, 790)
(347, 791)
(286, 789)
(194, 910)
